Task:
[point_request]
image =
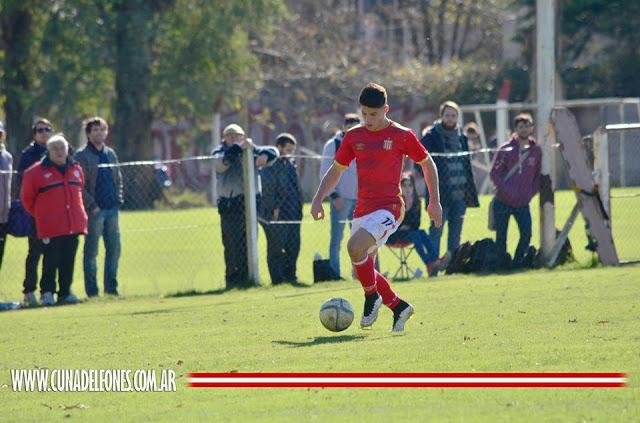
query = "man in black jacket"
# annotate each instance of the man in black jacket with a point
(280, 212)
(457, 189)
(42, 130)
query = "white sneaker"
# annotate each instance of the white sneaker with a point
(69, 299)
(30, 300)
(400, 318)
(371, 308)
(46, 299)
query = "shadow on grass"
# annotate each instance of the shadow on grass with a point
(320, 340)
(196, 293)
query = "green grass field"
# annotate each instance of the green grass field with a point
(567, 319)
(171, 251)
(544, 321)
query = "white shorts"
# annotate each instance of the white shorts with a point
(380, 224)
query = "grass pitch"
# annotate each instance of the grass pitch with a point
(542, 321)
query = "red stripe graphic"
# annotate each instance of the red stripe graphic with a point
(407, 380)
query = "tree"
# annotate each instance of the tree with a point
(17, 23)
(592, 35)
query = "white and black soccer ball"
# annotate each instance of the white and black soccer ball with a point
(336, 314)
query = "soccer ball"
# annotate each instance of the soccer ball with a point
(336, 314)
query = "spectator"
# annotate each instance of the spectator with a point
(457, 188)
(409, 230)
(6, 167)
(228, 166)
(282, 202)
(343, 198)
(52, 193)
(516, 175)
(480, 167)
(41, 130)
(102, 197)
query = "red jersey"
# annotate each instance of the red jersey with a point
(379, 156)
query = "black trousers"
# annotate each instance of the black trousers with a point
(31, 265)
(59, 255)
(283, 248)
(4, 227)
(234, 241)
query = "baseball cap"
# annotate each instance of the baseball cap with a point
(233, 129)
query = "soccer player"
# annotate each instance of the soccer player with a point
(378, 146)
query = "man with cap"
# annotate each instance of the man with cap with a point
(281, 212)
(6, 167)
(230, 187)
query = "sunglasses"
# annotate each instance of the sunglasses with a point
(351, 121)
(43, 130)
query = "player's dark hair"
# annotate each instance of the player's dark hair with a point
(373, 95)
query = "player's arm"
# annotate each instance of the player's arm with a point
(430, 172)
(327, 185)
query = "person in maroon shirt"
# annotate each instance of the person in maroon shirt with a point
(521, 159)
(378, 147)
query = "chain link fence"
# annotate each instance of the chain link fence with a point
(172, 239)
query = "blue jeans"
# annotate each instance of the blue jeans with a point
(337, 231)
(105, 224)
(453, 214)
(502, 212)
(423, 245)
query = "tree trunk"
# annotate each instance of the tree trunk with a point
(133, 116)
(16, 21)
(428, 31)
(441, 30)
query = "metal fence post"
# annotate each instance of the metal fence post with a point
(251, 214)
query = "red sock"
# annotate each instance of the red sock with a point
(366, 274)
(389, 297)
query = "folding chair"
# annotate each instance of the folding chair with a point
(402, 250)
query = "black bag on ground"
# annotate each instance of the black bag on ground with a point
(460, 258)
(485, 257)
(322, 271)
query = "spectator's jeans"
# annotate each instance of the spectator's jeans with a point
(283, 248)
(423, 245)
(502, 212)
(105, 224)
(31, 265)
(58, 256)
(453, 214)
(338, 218)
(4, 227)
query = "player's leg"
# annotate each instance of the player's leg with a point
(359, 245)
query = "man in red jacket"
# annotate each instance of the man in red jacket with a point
(52, 193)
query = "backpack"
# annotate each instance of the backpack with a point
(322, 271)
(485, 257)
(21, 223)
(460, 259)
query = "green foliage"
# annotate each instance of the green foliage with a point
(598, 45)
(467, 82)
(204, 53)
